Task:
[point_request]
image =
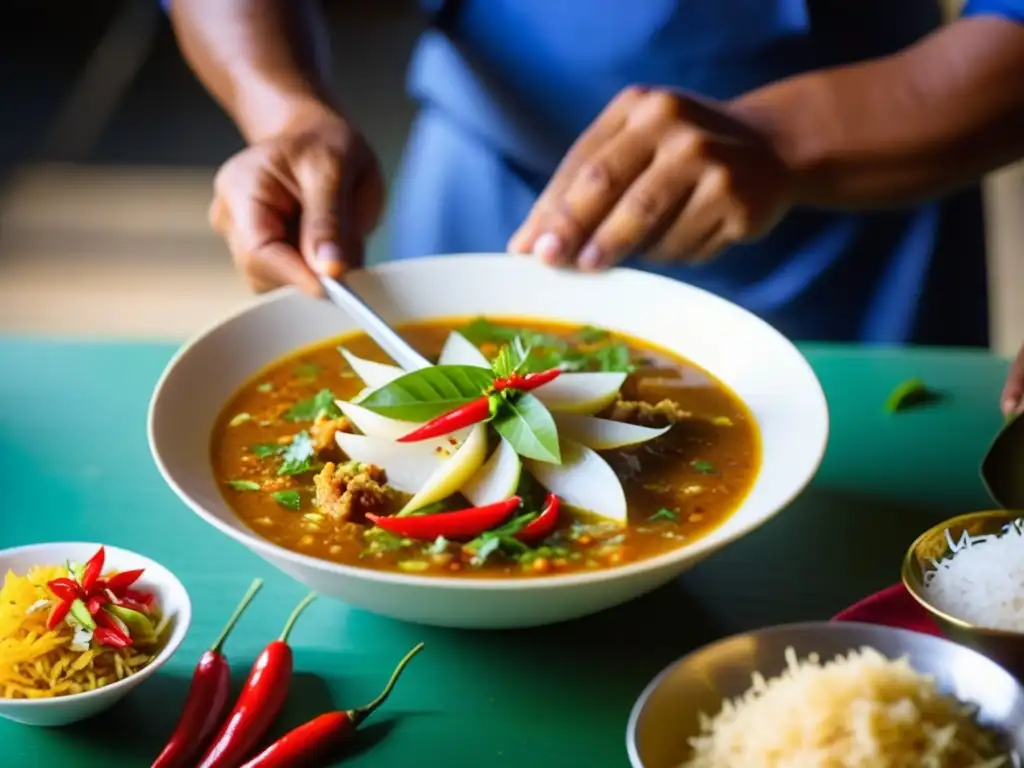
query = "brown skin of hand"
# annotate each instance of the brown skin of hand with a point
(301, 199)
(675, 177)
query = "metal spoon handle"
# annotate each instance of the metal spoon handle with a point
(386, 337)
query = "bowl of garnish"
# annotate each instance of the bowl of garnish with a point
(81, 625)
(968, 573)
(826, 693)
(562, 442)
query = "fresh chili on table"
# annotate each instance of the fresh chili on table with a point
(208, 698)
(323, 734)
(259, 703)
(480, 409)
(457, 526)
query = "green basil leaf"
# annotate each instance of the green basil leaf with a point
(309, 409)
(288, 499)
(589, 334)
(298, 455)
(529, 427)
(421, 395)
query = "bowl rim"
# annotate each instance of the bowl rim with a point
(265, 548)
(913, 586)
(174, 641)
(822, 626)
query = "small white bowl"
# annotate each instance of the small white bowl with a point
(747, 354)
(171, 597)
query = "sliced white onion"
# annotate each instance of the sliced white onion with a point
(586, 393)
(373, 424)
(458, 350)
(374, 375)
(497, 479)
(583, 480)
(409, 466)
(454, 473)
(603, 434)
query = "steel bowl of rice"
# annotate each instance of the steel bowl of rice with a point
(830, 694)
(968, 573)
(81, 625)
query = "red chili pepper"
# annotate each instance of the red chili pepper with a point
(111, 636)
(463, 524)
(208, 698)
(544, 524)
(57, 613)
(321, 735)
(93, 569)
(466, 415)
(121, 581)
(259, 703)
(524, 383)
(96, 602)
(66, 589)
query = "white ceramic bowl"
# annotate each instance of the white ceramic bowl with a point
(758, 363)
(170, 595)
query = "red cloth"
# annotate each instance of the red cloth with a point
(892, 607)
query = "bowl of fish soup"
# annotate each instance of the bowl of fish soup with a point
(677, 423)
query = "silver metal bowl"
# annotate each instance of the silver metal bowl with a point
(665, 715)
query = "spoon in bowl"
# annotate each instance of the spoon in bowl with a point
(397, 348)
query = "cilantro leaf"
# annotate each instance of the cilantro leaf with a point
(287, 499)
(312, 407)
(266, 450)
(298, 455)
(664, 514)
(704, 467)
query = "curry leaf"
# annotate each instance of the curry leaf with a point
(298, 455)
(322, 403)
(530, 429)
(429, 392)
(287, 499)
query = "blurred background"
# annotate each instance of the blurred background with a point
(108, 147)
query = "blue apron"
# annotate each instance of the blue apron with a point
(506, 85)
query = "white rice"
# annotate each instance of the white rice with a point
(982, 582)
(861, 710)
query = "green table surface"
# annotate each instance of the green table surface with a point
(74, 465)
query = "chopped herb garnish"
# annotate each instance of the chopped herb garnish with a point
(322, 403)
(440, 546)
(588, 334)
(666, 515)
(288, 499)
(500, 539)
(298, 455)
(307, 370)
(239, 418)
(265, 450)
(265, 387)
(244, 485)
(704, 467)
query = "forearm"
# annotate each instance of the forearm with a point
(936, 116)
(266, 61)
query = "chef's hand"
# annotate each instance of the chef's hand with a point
(299, 203)
(659, 173)
(1012, 400)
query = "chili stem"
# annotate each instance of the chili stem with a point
(295, 615)
(233, 619)
(363, 712)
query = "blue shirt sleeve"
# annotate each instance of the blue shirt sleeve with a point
(1011, 10)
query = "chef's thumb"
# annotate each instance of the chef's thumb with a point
(325, 235)
(1012, 397)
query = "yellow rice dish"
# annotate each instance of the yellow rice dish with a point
(861, 710)
(37, 661)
